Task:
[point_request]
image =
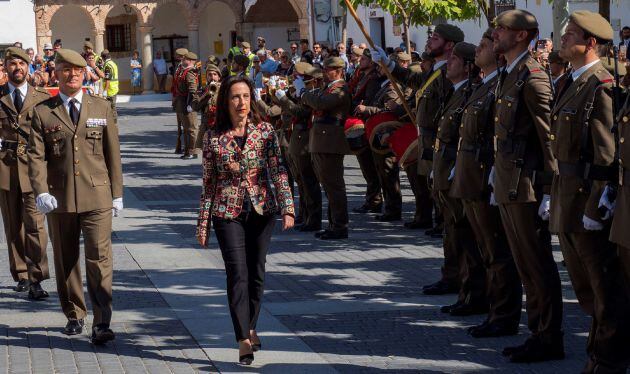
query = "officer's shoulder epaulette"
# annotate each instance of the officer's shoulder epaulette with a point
(603, 76)
(41, 89)
(98, 97)
(534, 66)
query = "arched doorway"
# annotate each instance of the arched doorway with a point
(276, 21)
(216, 26)
(73, 25)
(170, 30)
(121, 40)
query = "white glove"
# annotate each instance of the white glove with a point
(299, 85)
(280, 94)
(452, 175)
(45, 203)
(605, 202)
(493, 201)
(257, 93)
(491, 178)
(379, 55)
(189, 109)
(431, 175)
(117, 206)
(591, 224)
(543, 209)
(273, 81)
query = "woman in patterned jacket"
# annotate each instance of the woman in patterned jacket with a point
(241, 161)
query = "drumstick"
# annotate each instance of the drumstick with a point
(391, 78)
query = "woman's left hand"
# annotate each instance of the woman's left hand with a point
(287, 222)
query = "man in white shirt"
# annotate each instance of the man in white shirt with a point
(159, 67)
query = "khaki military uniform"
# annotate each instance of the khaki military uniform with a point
(80, 166)
(522, 118)
(206, 104)
(619, 232)
(186, 90)
(23, 224)
(367, 86)
(386, 166)
(474, 160)
(328, 145)
(459, 241)
(308, 185)
(584, 148)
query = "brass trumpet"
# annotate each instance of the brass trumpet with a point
(213, 87)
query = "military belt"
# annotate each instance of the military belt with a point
(448, 151)
(11, 145)
(585, 170)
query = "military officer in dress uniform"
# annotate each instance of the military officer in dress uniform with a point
(179, 56)
(328, 144)
(475, 158)
(584, 146)
(463, 74)
(185, 90)
(524, 163)
(432, 88)
(300, 156)
(76, 173)
(23, 224)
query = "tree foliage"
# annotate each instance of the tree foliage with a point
(425, 12)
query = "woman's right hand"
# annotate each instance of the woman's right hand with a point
(202, 239)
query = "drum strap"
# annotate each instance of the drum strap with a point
(426, 84)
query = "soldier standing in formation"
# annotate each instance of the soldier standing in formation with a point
(584, 146)
(184, 91)
(470, 183)
(23, 224)
(76, 174)
(523, 159)
(327, 142)
(179, 57)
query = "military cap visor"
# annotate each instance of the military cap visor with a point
(517, 19)
(593, 23)
(212, 67)
(191, 56)
(69, 56)
(15, 52)
(181, 51)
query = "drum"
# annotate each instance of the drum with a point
(378, 128)
(404, 144)
(354, 129)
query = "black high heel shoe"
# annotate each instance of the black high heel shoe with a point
(246, 359)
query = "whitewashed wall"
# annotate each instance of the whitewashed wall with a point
(72, 25)
(217, 19)
(17, 23)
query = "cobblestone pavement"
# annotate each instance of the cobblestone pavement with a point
(345, 306)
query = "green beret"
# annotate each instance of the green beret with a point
(402, 56)
(334, 62)
(88, 44)
(465, 51)
(517, 19)
(450, 32)
(592, 23)
(191, 56)
(302, 67)
(488, 34)
(181, 51)
(554, 57)
(69, 57)
(241, 60)
(212, 67)
(246, 45)
(15, 52)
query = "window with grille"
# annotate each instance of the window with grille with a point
(118, 38)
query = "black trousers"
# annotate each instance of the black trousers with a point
(244, 242)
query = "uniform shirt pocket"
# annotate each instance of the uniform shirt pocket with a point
(99, 180)
(95, 139)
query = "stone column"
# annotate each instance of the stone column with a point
(99, 42)
(193, 39)
(304, 28)
(146, 44)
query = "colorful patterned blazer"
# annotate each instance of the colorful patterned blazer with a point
(229, 172)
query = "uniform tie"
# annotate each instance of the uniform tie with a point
(74, 111)
(17, 100)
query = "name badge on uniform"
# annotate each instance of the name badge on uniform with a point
(96, 122)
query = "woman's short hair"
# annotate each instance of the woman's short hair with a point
(223, 121)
